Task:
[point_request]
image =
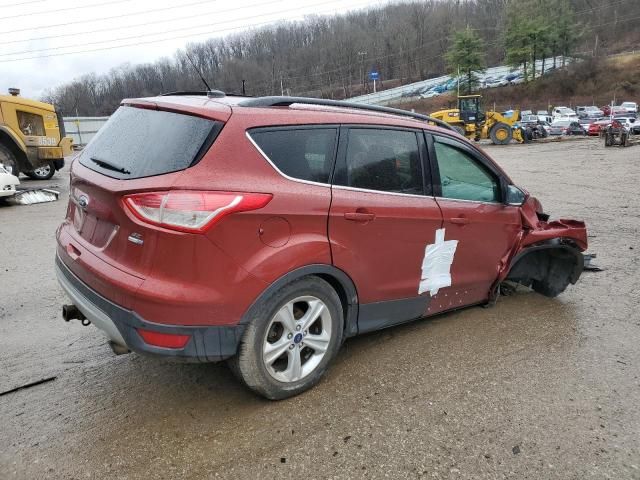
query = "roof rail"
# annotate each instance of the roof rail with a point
(209, 93)
(286, 101)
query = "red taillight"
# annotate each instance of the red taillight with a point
(191, 211)
(164, 340)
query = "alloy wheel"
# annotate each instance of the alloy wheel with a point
(297, 339)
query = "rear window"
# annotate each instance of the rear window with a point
(302, 153)
(138, 142)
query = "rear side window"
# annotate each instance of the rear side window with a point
(383, 160)
(138, 142)
(305, 154)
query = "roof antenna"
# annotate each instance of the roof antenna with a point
(199, 72)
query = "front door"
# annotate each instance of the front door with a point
(382, 218)
(468, 191)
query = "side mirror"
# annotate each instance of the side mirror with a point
(514, 196)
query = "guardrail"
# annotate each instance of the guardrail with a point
(83, 129)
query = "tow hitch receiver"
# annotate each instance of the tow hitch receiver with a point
(71, 312)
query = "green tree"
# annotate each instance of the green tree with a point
(466, 55)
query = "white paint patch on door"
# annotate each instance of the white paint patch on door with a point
(436, 265)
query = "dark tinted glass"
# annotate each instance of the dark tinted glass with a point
(306, 154)
(147, 142)
(386, 160)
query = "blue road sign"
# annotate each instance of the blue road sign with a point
(374, 75)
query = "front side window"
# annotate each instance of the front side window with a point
(383, 160)
(462, 177)
(304, 154)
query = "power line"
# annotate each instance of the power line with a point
(66, 9)
(144, 35)
(243, 27)
(21, 3)
(121, 27)
(112, 17)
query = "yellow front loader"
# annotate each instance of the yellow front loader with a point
(32, 137)
(474, 124)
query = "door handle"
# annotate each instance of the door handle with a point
(359, 216)
(459, 220)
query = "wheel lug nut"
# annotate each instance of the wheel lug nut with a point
(292, 346)
(298, 327)
(290, 335)
(305, 333)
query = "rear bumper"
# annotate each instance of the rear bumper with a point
(207, 344)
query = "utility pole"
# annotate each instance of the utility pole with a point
(362, 55)
(243, 90)
(281, 85)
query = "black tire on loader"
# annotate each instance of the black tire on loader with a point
(8, 159)
(501, 133)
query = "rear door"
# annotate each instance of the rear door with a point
(382, 218)
(468, 190)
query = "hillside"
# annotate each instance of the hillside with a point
(594, 81)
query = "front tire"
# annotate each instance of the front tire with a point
(291, 339)
(45, 172)
(501, 133)
(9, 160)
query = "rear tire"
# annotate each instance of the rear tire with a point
(273, 359)
(9, 160)
(501, 133)
(43, 173)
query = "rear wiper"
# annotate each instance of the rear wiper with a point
(110, 166)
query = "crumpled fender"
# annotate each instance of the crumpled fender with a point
(537, 232)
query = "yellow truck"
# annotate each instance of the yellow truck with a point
(32, 137)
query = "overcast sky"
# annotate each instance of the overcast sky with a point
(44, 43)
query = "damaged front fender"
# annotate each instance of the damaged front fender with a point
(548, 256)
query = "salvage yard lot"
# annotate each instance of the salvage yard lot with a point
(532, 388)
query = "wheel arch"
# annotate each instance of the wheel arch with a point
(13, 143)
(339, 280)
(548, 267)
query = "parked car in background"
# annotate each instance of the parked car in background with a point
(631, 107)
(596, 127)
(631, 123)
(264, 231)
(8, 183)
(567, 126)
(615, 110)
(565, 112)
(592, 112)
(544, 116)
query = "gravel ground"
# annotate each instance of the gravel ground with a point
(532, 388)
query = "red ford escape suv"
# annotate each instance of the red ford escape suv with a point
(267, 230)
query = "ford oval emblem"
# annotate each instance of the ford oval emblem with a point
(83, 201)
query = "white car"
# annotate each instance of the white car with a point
(631, 107)
(8, 183)
(564, 112)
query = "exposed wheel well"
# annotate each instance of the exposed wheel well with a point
(548, 269)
